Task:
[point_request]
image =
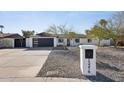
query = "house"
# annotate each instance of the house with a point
(14, 40)
(41, 40)
(49, 40)
(11, 40)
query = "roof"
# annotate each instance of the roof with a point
(77, 36)
(44, 34)
(10, 35)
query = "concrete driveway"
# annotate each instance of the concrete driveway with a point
(22, 63)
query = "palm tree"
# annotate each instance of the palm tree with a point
(1, 27)
(103, 23)
(27, 33)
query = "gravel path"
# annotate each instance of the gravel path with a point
(66, 63)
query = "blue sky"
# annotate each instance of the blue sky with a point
(40, 21)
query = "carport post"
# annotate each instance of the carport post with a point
(55, 42)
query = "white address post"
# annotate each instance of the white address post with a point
(88, 59)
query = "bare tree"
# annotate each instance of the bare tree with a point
(53, 29)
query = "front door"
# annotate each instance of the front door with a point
(68, 42)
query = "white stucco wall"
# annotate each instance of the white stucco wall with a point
(74, 43)
(95, 42)
(105, 42)
(102, 42)
(61, 43)
(83, 41)
(55, 42)
(71, 42)
(13, 43)
(65, 41)
(29, 42)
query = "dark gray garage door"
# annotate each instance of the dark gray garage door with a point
(43, 42)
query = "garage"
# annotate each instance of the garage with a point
(43, 42)
(11, 40)
(18, 43)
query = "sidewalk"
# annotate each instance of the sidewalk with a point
(37, 79)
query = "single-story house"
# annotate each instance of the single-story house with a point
(48, 40)
(11, 40)
(43, 39)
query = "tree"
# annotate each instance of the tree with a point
(97, 33)
(67, 32)
(62, 29)
(116, 27)
(103, 23)
(53, 30)
(27, 33)
(1, 27)
(71, 35)
(87, 31)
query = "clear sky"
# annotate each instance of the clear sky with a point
(40, 21)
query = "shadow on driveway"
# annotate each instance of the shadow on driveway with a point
(102, 65)
(38, 48)
(99, 78)
(46, 48)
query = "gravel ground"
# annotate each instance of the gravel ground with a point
(66, 63)
(110, 62)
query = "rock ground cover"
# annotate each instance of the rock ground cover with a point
(66, 64)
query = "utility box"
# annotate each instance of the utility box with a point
(88, 59)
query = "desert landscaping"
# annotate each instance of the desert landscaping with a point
(53, 51)
(66, 64)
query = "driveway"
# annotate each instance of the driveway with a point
(24, 63)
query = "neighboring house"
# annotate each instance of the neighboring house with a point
(9, 40)
(48, 40)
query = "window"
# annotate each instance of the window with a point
(89, 40)
(60, 40)
(77, 40)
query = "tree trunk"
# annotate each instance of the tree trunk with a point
(99, 42)
(21, 40)
(115, 43)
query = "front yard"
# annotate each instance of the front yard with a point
(66, 64)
